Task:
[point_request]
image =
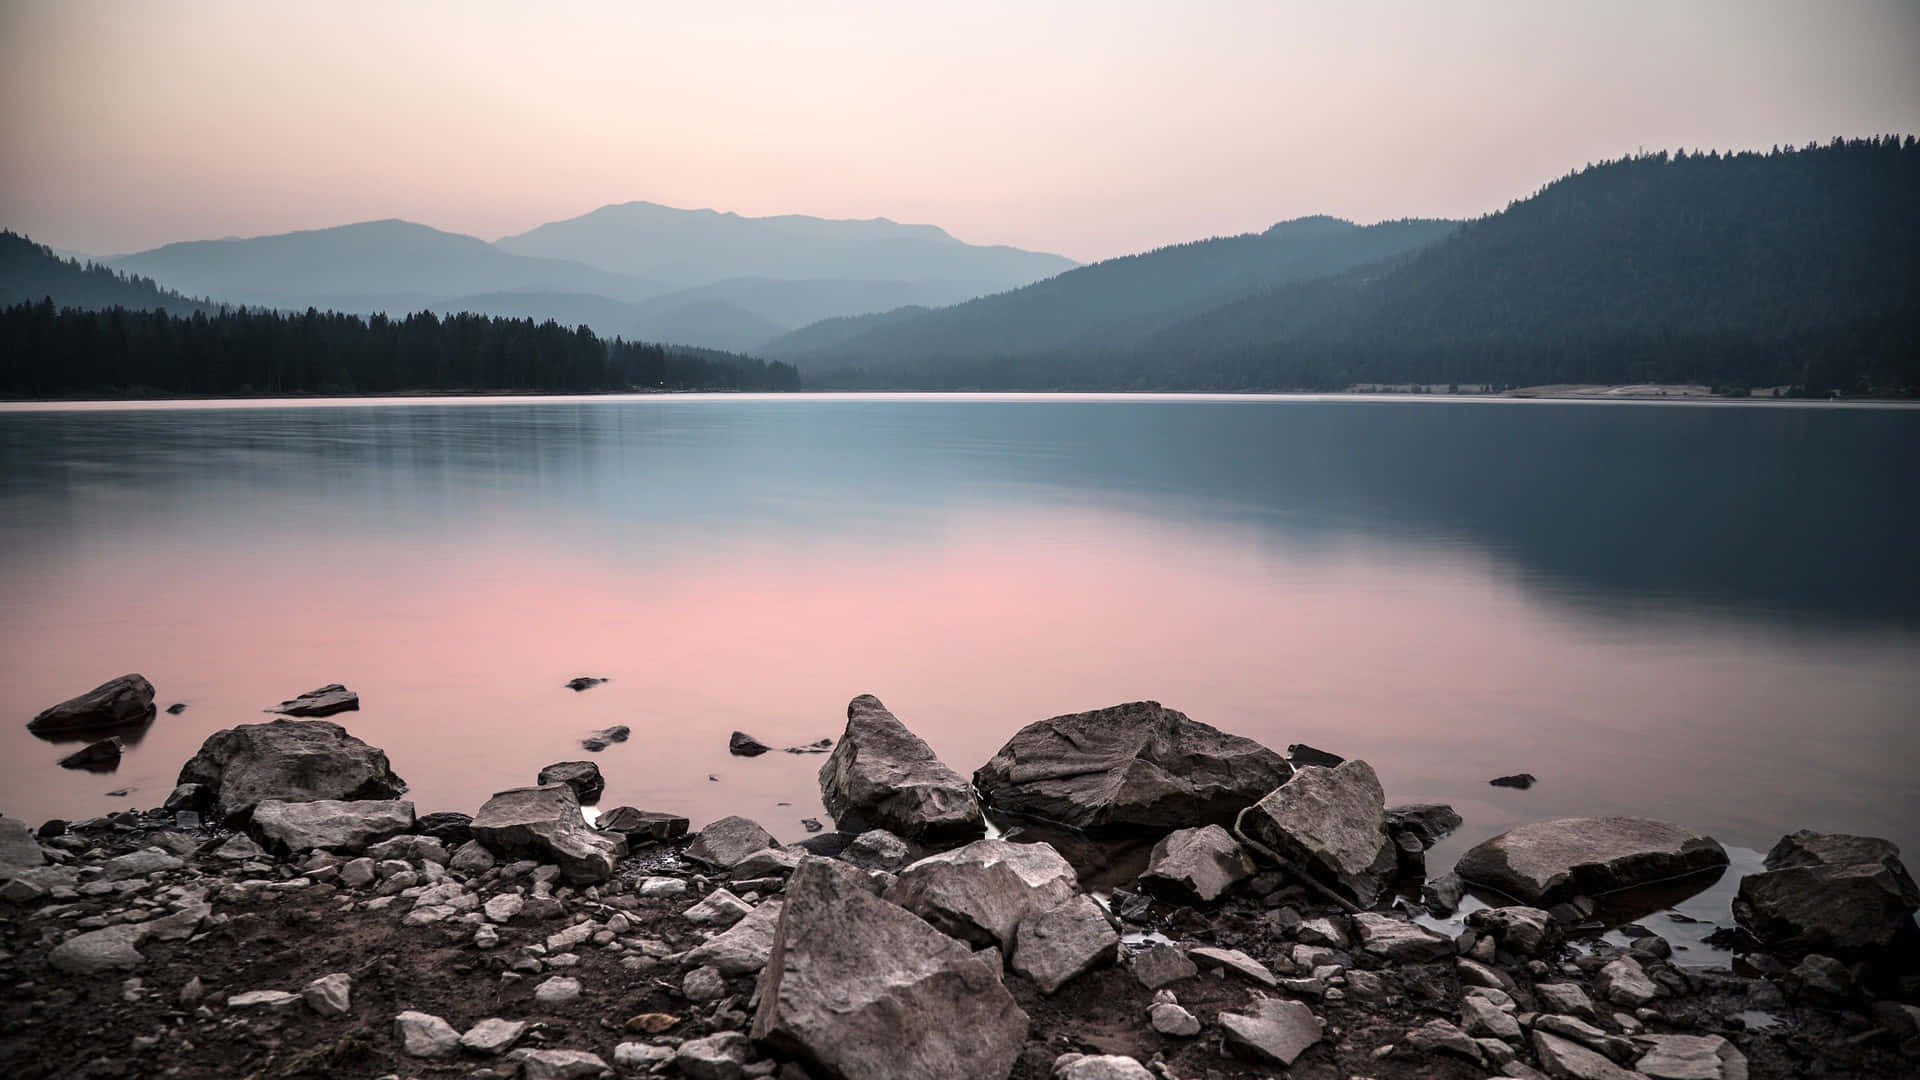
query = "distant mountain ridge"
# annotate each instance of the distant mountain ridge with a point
(33, 272)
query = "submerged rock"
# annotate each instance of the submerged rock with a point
(1330, 823)
(582, 776)
(980, 893)
(1135, 765)
(329, 824)
(1196, 865)
(123, 702)
(883, 776)
(1546, 862)
(329, 699)
(96, 756)
(290, 760)
(606, 737)
(545, 823)
(583, 682)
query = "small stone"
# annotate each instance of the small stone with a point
(493, 1036)
(263, 999)
(1170, 1019)
(1567, 1060)
(1623, 982)
(1099, 1067)
(1159, 965)
(559, 1064)
(636, 1055)
(1436, 1036)
(486, 937)
(1235, 961)
(1273, 1031)
(1564, 998)
(704, 984)
(1691, 1057)
(716, 1057)
(720, 908)
(330, 995)
(502, 908)
(1482, 1017)
(557, 991)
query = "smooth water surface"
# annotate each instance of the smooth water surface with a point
(1704, 613)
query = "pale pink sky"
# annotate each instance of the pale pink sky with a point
(1091, 129)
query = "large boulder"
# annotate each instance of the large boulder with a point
(1330, 823)
(123, 702)
(290, 760)
(1136, 765)
(1829, 893)
(329, 824)
(545, 823)
(1196, 865)
(1546, 862)
(882, 776)
(861, 989)
(980, 893)
(327, 700)
(727, 842)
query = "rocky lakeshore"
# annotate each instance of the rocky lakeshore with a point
(287, 913)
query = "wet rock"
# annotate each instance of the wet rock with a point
(1519, 929)
(192, 797)
(1053, 946)
(1099, 1067)
(544, 823)
(559, 1064)
(744, 948)
(1546, 862)
(1808, 848)
(328, 824)
(583, 682)
(329, 699)
(741, 744)
(289, 760)
(1139, 764)
(882, 775)
(864, 990)
(605, 737)
(642, 826)
(1271, 1031)
(329, 995)
(1810, 900)
(1691, 1057)
(123, 702)
(1398, 940)
(1521, 781)
(716, 1057)
(108, 949)
(98, 756)
(582, 776)
(1564, 1059)
(1623, 982)
(1158, 965)
(1428, 822)
(1208, 956)
(980, 893)
(726, 842)
(493, 1036)
(1196, 865)
(817, 746)
(176, 708)
(1330, 823)
(447, 826)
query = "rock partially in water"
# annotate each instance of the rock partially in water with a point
(1829, 893)
(818, 746)
(123, 702)
(544, 823)
(980, 893)
(345, 827)
(1196, 865)
(290, 760)
(1427, 822)
(1520, 781)
(327, 700)
(725, 843)
(582, 776)
(606, 737)
(101, 756)
(176, 708)
(584, 682)
(741, 744)
(1330, 823)
(642, 826)
(862, 990)
(883, 776)
(1139, 765)
(1546, 862)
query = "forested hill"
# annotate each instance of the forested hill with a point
(47, 351)
(1795, 267)
(32, 272)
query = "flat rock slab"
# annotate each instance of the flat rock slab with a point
(493, 1036)
(1272, 1031)
(1235, 961)
(559, 1064)
(290, 760)
(883, 776)
(1135, 765)
(1196, 865)
(1062, 943)
(744, 948)
(327, 700)
(108, 949)
(725, 843)
(1398, 939)
(1546, 862)
(1691, 1057)
(1330, 823)
(1564, 1059)
(139, 863)
(329, 824)
(544, 823)
(582, 776)
(642, 825)
(1158, 965)
(123, 702)
(980, 893)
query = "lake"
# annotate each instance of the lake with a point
(1708, 613)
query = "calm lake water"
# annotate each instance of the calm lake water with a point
(1704, 613)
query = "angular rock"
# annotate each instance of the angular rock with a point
(1134, 765)
(1482, 1017)
(1808, 902)
(1519, 929)
(138, 864)
(720, 908)
(1623, 982)
(1564, 998)
(502, 908)
(1691, 1057)
(329, 699)
(582, 776)
(1053, 946)
(493, 1036)
(583, 682)
(864, 990)
(329, 824)
(640, 826)
(729, 840)
(329, 995)
(289, 760)
(1099, 1067)
(99, 756)
(1430, 822)
(641, 1056)
(1158, 965)
(883, 776)
(980, 893)
(1437, 1036)
(878, 848)
(1169, 1018)
(557, 991)
(1546, 862)
(1271, 1031)
(1396, 939)
(18, 848)
(767, 862)
(424, 1035)
(123, 702)
(1196, 865)
(95, 951)
(1233, 960)
(263, 999)
(716, 1057)
(741, 744)
(744, 948)
(1300, 755)
(544, 823)
(703, 984)
(1564, 1059)
(605, 737)
(559, 1064)
(1330, 823)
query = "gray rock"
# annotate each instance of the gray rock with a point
(493, 1036)
(1623, 982)
(720, 908)
(1806, 903)
(328, 824)
(557, 990)
(980, 893)
(1825, 975)
(767, 862)
(450, 827)
(1443, 894)
(726, 842)
(744, 948)
(1235, 961)
(289, 760)
(1271, 1031)
(18, 848)
(1428, 822)
(1158, 965)
(1564, 998)
(263, 999)
(703, 984)
(95, 951)
(1396, 939)
(123, 702)
(191, 797)
(1053, 946)
(327, 700)
(883, 776)
(1099, 1067)
(1169, 1018)
(1567, 1060)
(1593, 1038)
(1196, 865)
(1523, 930)
(640, 826)
(411, 848)
(544, 823)
(502, 908)
(138, 864)
(1139, 764)
(1809, 848)
(98, 756)
(1546, 862)
(329, 995)
(1482, 1017)
(180, 925)
(1438, 1036)
(239, 848)
(1691, 1057)
(879, 848)
(1330, 823)
(864, 990)
(582, 776)
(716, 1057)
(559, 1064)
(638, 1056)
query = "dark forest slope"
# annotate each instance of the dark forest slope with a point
(31, 273)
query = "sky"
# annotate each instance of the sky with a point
(1088, 129)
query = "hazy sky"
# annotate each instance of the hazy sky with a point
(1090, 129)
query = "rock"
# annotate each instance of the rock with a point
(1139, 764)
(605, 737)
(980, 893)
(864, 990)
(191, 797)
(640, 1056)
(1438, 1036)
(1196, 865)
(720, 908)
(138, 864)
(1272, 1031)
(1427, 821)
(18, 848)
(1691, 1057)
(817, 746)
(1546, 862)
(447, 826)
(95, 951)
(878, 848)
(411, 848)
(1810, 900)
(741, 744)
(329, 995)
(1396, 939)
(1824, 975)
(239, 848)
(123, 702)
(328, 824)
(329, 699)
(1099, 1067)
(1522, 781)
(263, 999)
(1622, 982)
(1050, 947)
(1158, 965)
(289, 760)
(1300, 755)
(557, 991)
(1443, 894)
(729, 840)
(1482, 1017)
(544, 823)
(716, 1057)
(1330, 823)
(583, 682)
(1564, 998)
(883, 776)
(703, 984)
(1523, 930)
(502, 908)
(582, 776)
(559, 1064)
(1169, 1018)
(743, 949)
(1235, 961)
(493, 1036)
(767, 862)
(1567, 1060)
(99, 756)
(1809, 848)
(176, 708)
(1614, 1047)
(641, 826)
